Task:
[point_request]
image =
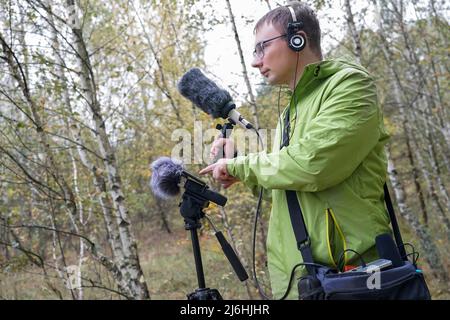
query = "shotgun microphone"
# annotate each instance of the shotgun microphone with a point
(206, 95)
(167, 176)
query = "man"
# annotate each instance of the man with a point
(334, 157)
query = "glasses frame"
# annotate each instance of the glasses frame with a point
(261, 45)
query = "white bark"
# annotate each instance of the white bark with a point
(74, 131)
(440, 211)
(422, 84)
(429, 104)
(81, 219)
(411, 117)
(432, 253)
(18, 74)
(130, 267)
(251, 96)
(353, 31)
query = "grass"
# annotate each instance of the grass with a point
(169, 267)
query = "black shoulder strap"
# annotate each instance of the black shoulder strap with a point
(394, 223)
(300, 232)
(295, 213)
(298, 223)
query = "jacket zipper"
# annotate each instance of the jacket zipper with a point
(330, 214)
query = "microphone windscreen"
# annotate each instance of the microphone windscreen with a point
(166, 177)
(387, 249)
(204, 93)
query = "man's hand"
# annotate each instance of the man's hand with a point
(219, 172)
(219, 145)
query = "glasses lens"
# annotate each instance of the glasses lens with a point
(259, 51)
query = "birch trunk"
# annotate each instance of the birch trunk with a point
(53, 167)
(353, 31)
(399, 98)
(4, 233)
(431, 252)
(81, 219)
(74, 130)
(440, 29)
(18, 74)
(62, 271)
(130, 267)
(422, 84)
(438, 208)
(429, 105)
(244, 68)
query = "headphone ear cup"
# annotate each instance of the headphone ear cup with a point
(296, 42)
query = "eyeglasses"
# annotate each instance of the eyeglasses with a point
(259, 48)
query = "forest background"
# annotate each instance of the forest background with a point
(88, 99)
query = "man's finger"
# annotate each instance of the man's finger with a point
(207, 169)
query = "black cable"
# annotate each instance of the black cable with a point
(414, 253)
(258, 210)
(279, 114)
(259, 138)
(292, 275)
(408, 244)
(363, 263)
(258, 207)
(293, 99)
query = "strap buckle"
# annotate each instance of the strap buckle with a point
(304, 244)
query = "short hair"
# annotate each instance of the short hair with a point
(281, 16)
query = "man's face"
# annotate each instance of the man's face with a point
(278, 62)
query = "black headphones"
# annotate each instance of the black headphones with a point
(295, 41)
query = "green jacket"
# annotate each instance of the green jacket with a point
(337, 164)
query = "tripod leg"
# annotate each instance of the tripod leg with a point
(198, 259)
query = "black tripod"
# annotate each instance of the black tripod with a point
(191, 208)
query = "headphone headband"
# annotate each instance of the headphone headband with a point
(294, 17)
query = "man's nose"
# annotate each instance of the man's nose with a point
(257, 62)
